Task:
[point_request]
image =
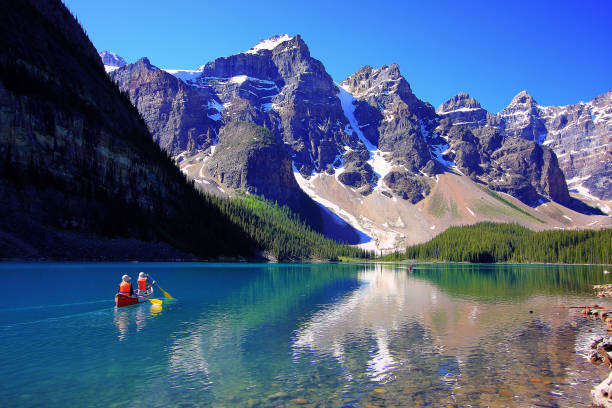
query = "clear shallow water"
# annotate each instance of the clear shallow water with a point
(298, 335)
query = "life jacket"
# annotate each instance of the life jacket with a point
(125, 288)
(142, 283)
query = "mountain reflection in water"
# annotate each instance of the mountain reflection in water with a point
(348, 335)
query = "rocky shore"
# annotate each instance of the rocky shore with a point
(601, 347)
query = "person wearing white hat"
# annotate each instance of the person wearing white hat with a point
(144, 283)
(125, 287)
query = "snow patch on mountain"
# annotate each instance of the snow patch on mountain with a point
(377, 160)
(185, 75)
(463, 109)
(307, 187)
(269, 44)
(439, 151)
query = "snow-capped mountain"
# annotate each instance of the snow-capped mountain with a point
(111, 61)
(367, 149)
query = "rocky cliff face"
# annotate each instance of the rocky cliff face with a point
(111, 60)
(78, 162)
(480, 146)
(390, 116)
(180, 117)
(462, 110)
(371, 131)
(248, 157)
(461, 135)
(276, 84)
(579, 134)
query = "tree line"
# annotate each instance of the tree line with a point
(492, 242)
(279, 231)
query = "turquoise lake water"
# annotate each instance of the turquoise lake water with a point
(314, 335)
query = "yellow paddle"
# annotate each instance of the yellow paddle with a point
(166, 294)
(156, 301)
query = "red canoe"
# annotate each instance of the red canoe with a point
(125, 300)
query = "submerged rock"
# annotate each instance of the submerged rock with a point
(601, 393)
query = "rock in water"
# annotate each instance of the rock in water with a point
(601, 395)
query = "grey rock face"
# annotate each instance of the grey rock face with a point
(463, 110)
(407, 186)
(505, 158)
(249, 157)
(579, 134)
(529, 170)
(390, 116)
(277, 85)
(111, 59)
(522, 118)
(177, 115)
(288, 92)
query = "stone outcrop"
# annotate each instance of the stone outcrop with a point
(481, 146)
(529, 171)
(463, 110)
(249, 158)
(579, 134)
(390, 116)
(407, 186)
(278, 86)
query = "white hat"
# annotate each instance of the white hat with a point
(126, 278)
(141, 275)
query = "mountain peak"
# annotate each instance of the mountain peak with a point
(111, 59)
(394, 70)
(461, 101)
(386, 79)
(270, 43)
(523, 97)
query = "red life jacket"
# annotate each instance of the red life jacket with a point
(142, 283)
(125, 288)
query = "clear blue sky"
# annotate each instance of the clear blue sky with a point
(559, 51)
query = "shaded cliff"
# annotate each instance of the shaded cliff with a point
(77, 161)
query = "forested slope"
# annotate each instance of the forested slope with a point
(281, 232)
(491, 242)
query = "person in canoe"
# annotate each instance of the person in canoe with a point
(125, 287)
(144, 284)
(127, 296)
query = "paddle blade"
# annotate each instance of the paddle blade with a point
(166, 294)
(156, 301)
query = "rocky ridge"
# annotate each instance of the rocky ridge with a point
(480, 148)
(579, 134)
(369, 134)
